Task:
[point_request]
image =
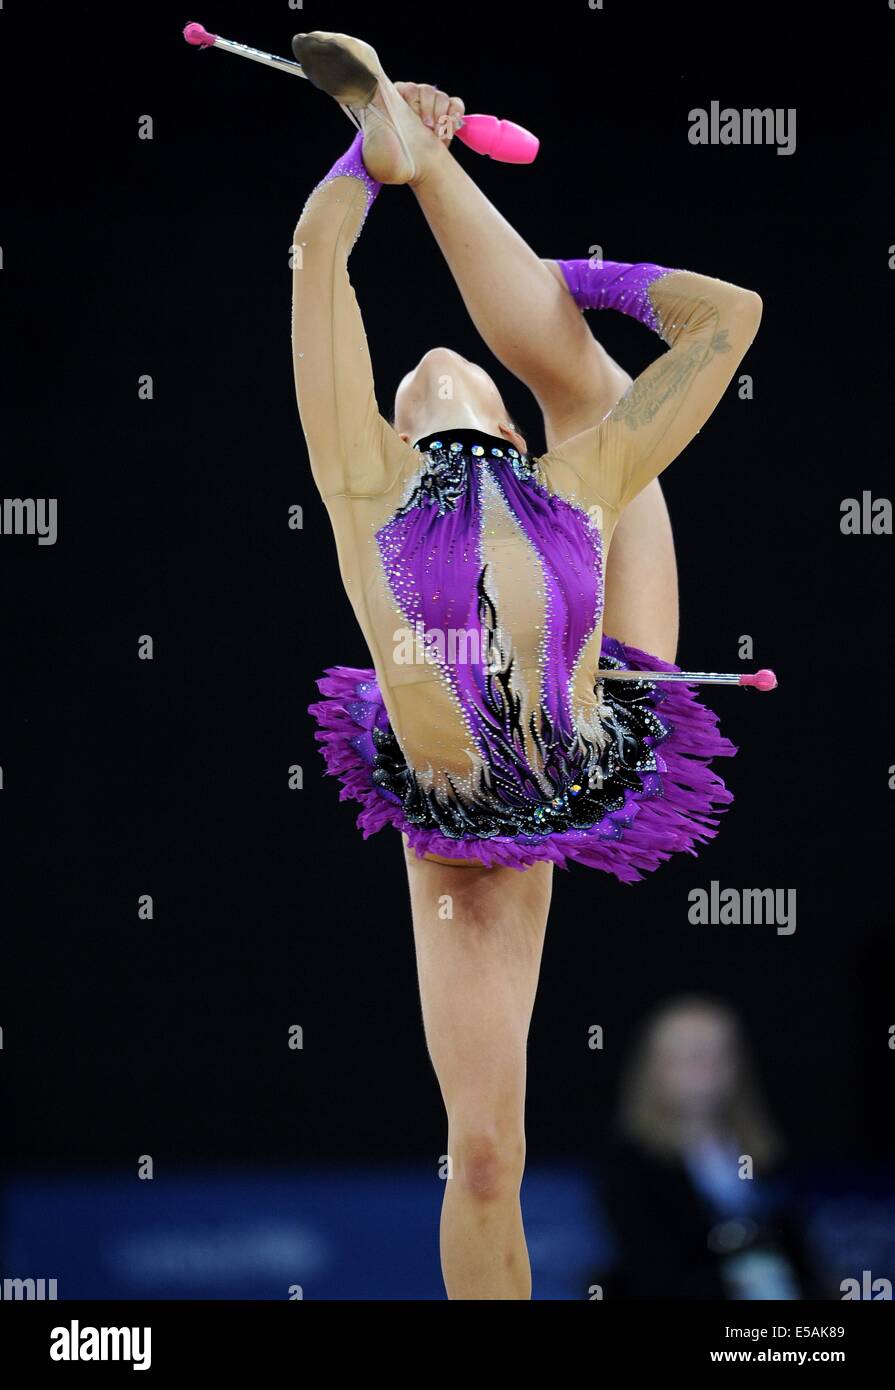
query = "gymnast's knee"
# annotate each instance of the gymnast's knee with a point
(488, 1158)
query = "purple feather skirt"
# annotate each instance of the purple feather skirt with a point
(674, 809)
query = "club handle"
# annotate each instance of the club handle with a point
(502, 140)
(760, 680)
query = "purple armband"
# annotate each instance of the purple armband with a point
(614, 285)
(351, 165)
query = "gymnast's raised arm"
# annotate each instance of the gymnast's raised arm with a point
(353, 451)
(709, 325)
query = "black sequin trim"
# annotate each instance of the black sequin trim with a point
(450, 455)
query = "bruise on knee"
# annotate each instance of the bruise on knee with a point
(489, 1165)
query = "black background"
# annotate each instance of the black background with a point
(123, 777)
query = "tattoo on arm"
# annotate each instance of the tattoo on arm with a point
(719, 343)
(670, 376)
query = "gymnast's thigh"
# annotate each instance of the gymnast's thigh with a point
(479, 936)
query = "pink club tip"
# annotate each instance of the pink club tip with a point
(196, 34)
(502, 140)
(762, 680)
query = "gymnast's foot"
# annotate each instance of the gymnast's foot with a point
(398, 142)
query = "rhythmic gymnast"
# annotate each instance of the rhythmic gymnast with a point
(500, 762)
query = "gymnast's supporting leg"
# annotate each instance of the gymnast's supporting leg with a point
(523, 310)
(479, 935)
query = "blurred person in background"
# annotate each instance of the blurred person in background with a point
(693, 1187)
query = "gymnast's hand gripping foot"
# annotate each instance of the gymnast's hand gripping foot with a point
(493, 729)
